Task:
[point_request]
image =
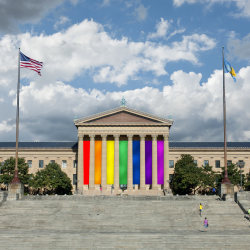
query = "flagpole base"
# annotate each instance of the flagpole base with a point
(15, 191)
(227, 191)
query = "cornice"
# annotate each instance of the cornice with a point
(79, 122)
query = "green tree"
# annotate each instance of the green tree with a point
(186, 176)
(51, 180)
(8, 169)
(247, 183)
(234, 174)
(207, 178)
(189, 178)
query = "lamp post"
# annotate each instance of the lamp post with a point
(241, 165)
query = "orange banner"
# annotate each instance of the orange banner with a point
(98, 162)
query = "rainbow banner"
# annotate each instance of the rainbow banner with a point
(123, 162)
(86, 152)
(110, 162)
(160, 162)
(98, 162)
(148, 162)
(136, 162)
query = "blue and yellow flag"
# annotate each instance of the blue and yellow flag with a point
(230, 69)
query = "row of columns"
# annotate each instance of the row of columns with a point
(116, 162)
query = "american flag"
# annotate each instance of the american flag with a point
(26, 62)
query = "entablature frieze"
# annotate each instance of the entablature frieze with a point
(129, 134)
(124, 131)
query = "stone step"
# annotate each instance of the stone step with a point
(119, 223)
(135, 241)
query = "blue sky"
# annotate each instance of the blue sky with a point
(163, 56)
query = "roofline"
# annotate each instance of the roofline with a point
(41, 145)
(73, 145)
(112, 111)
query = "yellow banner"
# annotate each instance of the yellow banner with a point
(110, 162)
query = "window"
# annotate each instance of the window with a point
(171, 163)
(52, 161)
(74, 179)
(40, 163)
(74, 163)
(229, 163)
(241, 163)
(64, 163)
(29, 163)
(217, 163)
(195, 162)
(206, 162)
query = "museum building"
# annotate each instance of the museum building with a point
(124, 151)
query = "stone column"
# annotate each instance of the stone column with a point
(142, 162)
(92, 163)
(130, 163)
(104, 162)
(80, 164)
(166, 161)
(154, 162)
(116, 168)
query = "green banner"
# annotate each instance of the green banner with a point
(123, 162)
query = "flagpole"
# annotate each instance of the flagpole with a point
(225, 179)
(16, 179)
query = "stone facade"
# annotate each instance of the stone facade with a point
(37, 152)
(115, 125)
(122, 124)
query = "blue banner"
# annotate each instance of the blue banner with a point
(136, 162)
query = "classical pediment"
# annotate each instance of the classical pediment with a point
(122, 116)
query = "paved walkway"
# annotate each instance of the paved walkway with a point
(122, 223)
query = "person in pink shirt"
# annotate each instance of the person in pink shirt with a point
(206, 222)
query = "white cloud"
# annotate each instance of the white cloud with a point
(186, 49)
(48, 111)
(87, 47)
(175, 32)
(74, 2)
(106, 3)
(14, 13)
(5, 127)
(62, 20)
(178, 3)
(141, 12)
(240, 48)
(242, 5)
(49, 104)
(161, 29)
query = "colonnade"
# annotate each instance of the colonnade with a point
(148, 158)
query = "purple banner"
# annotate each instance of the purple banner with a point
(148, 162)
(160, 162)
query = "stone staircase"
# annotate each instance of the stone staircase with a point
(78, 222)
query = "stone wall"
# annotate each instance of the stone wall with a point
(3, 196)
(243, 200)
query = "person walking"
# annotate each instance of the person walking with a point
(205, 223)
(201, 207)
